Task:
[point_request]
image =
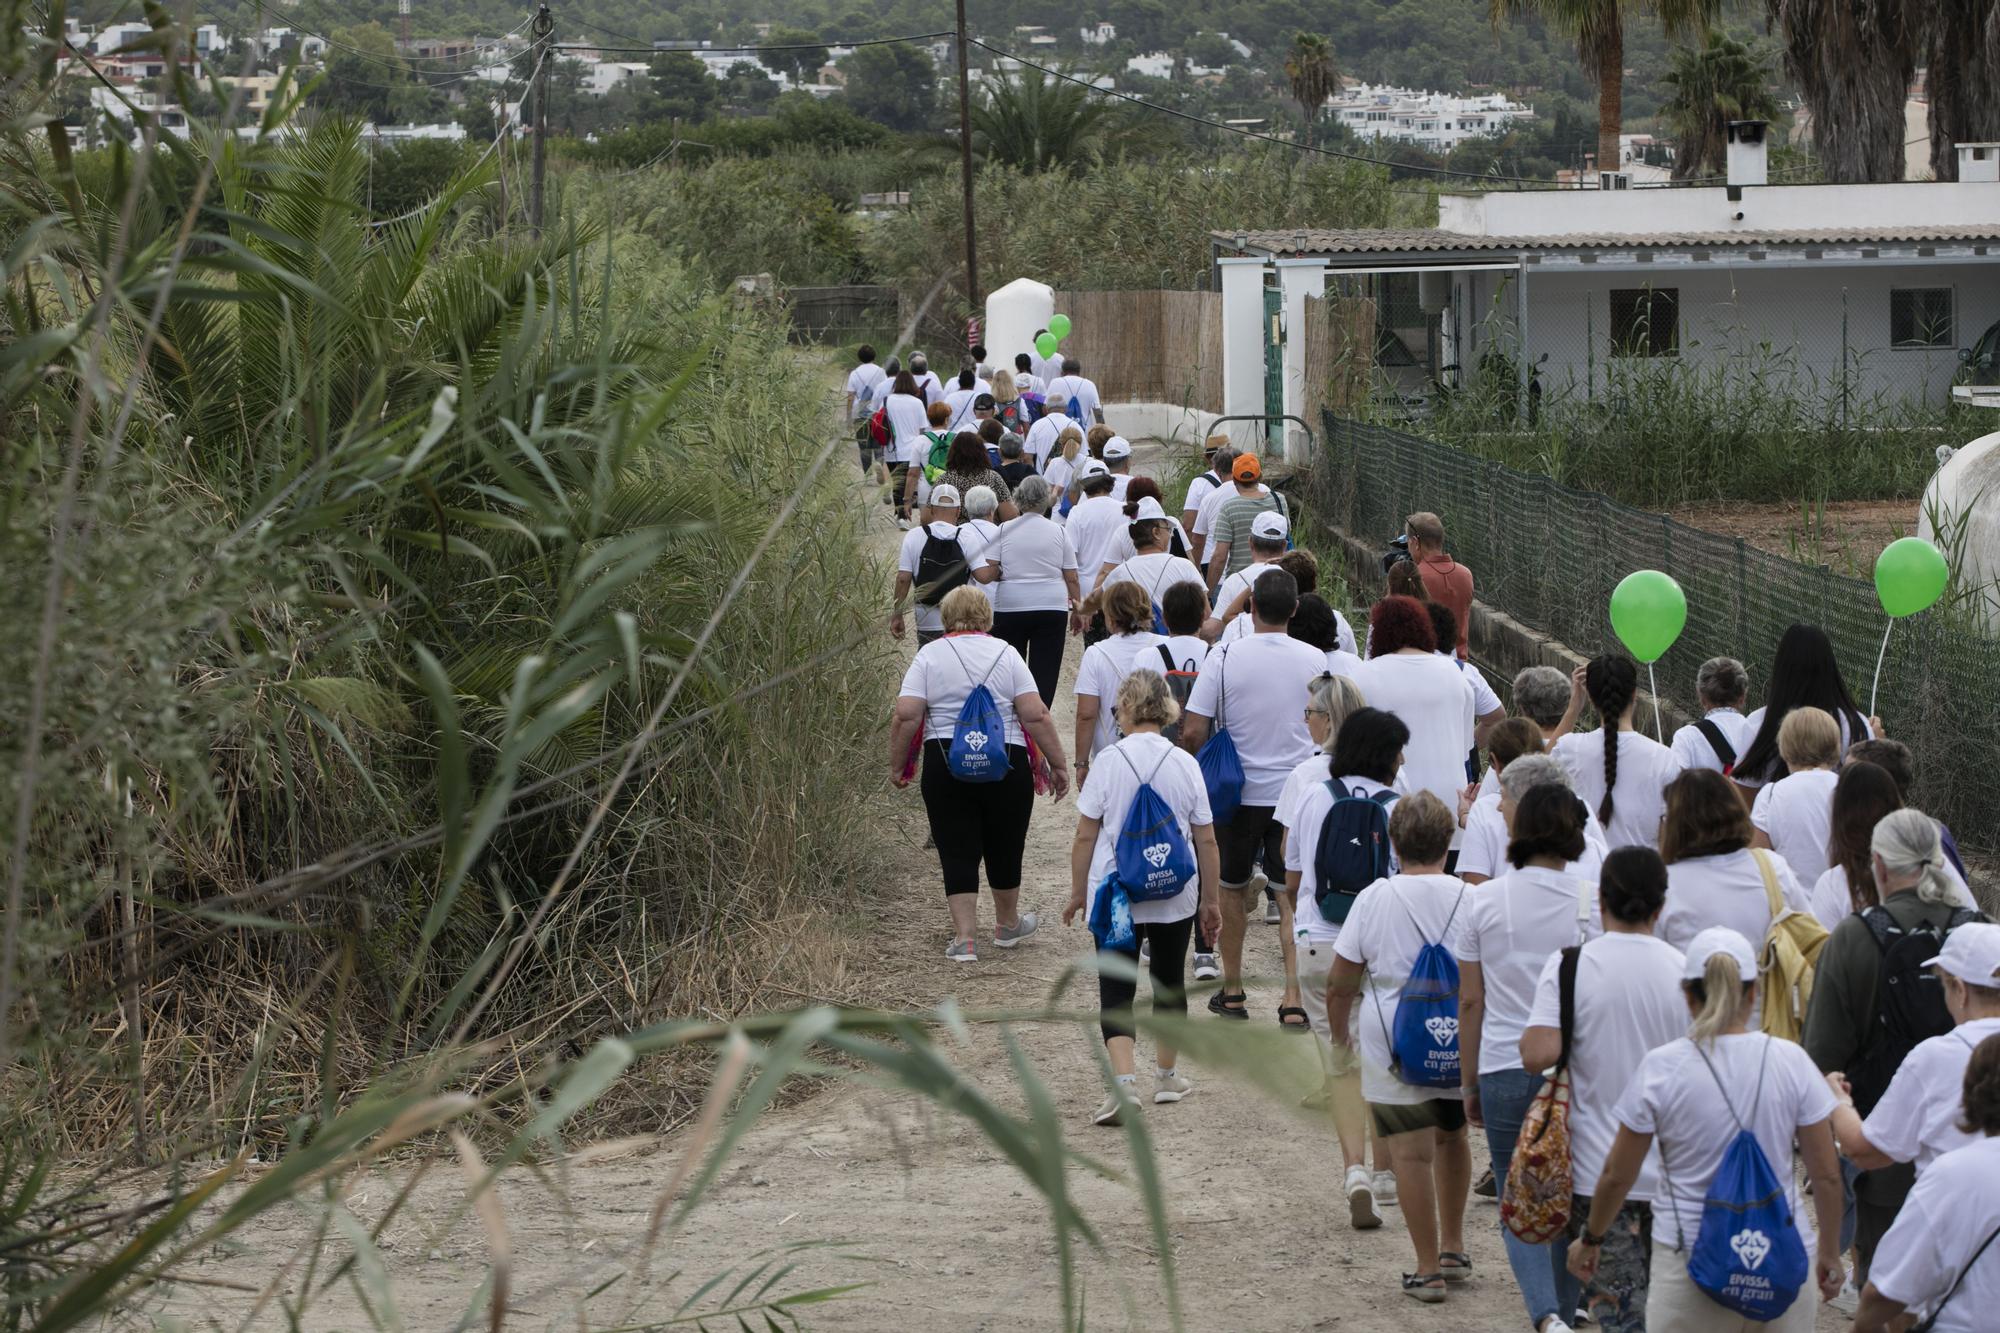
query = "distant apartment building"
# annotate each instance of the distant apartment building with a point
(1438, 122)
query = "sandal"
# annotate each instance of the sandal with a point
(1454, 1267)
(1228, 1005)
(1425, 1287)
(1285, 1011)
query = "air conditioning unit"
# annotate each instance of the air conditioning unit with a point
(1614, 180)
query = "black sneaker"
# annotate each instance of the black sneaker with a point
(1486, 1188)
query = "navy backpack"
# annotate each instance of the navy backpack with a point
(978, 750)
(1154, 860)
(1353, 850)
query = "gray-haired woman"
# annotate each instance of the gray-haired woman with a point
(1032, 570)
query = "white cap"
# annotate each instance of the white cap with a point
(1118, 447)
(1972, 954)
(945, 497)
(1148, 508)
(1270, 526)
(1715, 940)
(1092, 467)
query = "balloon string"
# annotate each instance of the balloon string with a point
(1874, 689)
(1652, 683)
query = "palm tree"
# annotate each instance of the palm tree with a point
(1963, 50)
(1714, 83)
(1033, 123)
(1309, 66)
(1852, 61)
(1598, 26)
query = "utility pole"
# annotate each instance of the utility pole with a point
(965, 166)
(544, 26)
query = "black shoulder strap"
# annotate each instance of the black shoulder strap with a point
(1167, 658)
(1718, 742)
(1566, 994)
(1971, 1263)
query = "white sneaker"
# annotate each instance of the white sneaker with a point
(1206, 968)
(1145, 953)
(1116, 1105)
(1006, 937)
(1361, 1214)
(961, 951)
(1385, 1188)
(903, 523)
(1170, 1087)
(1271, 916)
(1554, 1324)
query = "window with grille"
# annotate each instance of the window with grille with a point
(1920, 317)
(1645, 321)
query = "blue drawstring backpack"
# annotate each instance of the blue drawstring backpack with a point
(1153, 859)
(1748, 1254)
(978, 751)
(1111, 917)
(1221, 766)
(1423, 1045)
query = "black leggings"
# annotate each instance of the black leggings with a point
(1167, 968)
(978, 821)
(1037, 636)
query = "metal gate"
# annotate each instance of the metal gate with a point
(1274, 366)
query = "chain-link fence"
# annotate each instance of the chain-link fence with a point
(1549, 556)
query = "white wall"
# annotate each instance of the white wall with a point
(1708, 209)
(1243, 336)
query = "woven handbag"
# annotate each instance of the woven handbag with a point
(1535, 1204)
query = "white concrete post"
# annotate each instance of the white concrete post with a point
(1243, 339)
(1297, 279)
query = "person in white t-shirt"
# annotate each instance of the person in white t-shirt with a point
(1794, 815)
(1692, 1096)
(1723, 734)
(1095, 522)
(1183, 612)
(1864, 795)
(928, 383)
(1030, 571)
(1714, 876)
(1405, 676)
(1071, 384)
(1219, 456)
(1268, 542)
(1046, 367)
(943, 524)
(1421, 1128)
(1151, 565)
(1118, 457)
(1621, 774)
(1626, 1001)
(1367, 753)
(974, 821)
(1129, 643)
(1916, 1119)
(1487, 711)
(865, 384)
(1804, 673)
(907, 416)
(1026, 382)
(1941, 1259)
(1144, 707)
(963, 392)
(1040, 442)
(1482, 852)
(1255, 689)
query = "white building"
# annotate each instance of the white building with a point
(1100, 34)
(1152, 65)
(1439, 122)
(1865, 292)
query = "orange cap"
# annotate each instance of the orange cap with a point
(1246, 468)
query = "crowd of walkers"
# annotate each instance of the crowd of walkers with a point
(1720, 1004)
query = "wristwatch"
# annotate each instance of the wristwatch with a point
(1594, 1242)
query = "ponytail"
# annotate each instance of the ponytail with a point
(1724, 996)
(1612, 682)
(1907, 840)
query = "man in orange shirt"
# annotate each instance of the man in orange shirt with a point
(1445, 579)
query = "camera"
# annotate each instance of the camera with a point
(1398, 552)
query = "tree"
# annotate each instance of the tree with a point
(1598, 27)
(1309, 69)
(1714, 83)
(1852, 61)
(1211, 51)
(684, 88)
(749, 86)
(802, 62)
(1033, 123)
(1963, 50)
(894, 85)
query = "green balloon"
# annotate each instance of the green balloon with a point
(1910, 576)
(1059, 325)
(1648, 611)
(1046, 344)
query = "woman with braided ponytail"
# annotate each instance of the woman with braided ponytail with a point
(1621, 774)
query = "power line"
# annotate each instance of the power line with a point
(731, 50)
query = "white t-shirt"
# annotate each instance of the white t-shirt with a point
(1047, 368)
(1059, 472)
(1342, 663)
(960, 402)
(1189, 652)
(1032, 552)
(907, 423)
(946, 670)
(1120, 483)
(863, 382)
(1725, 890)
(1105, 665)
(1434, 700)
(1483, 850)
(1107, 795)
(1484, 701)
(1155, 573)
(1200, 489)
(1093, 524)
(1510, 928)
(1628, 1002)
(1211, 505)
(1302, 810)
(1645, 767)
(1796, 814)
(1917, 1118)
(931, 386)
(1258, 687)
(1065, 387)
(1388, 925)
(1674, 1098)
(1694, 751)
(1946, 1218)
(973, 538)
(1040, 441)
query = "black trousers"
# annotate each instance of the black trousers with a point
(974, 822)
(1037, 636)
(1167, 968)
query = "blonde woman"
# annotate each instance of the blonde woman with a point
(1060, 469)
(1144, 707)
(1694, 1095)
(1008, 409)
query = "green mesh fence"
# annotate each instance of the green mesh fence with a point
(1549, 557)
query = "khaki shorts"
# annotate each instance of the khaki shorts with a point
(1315, 962)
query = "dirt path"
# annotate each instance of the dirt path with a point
(952, 1237)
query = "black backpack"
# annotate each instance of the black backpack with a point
(1909, 999)
(1180, 683)
(940, 568)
